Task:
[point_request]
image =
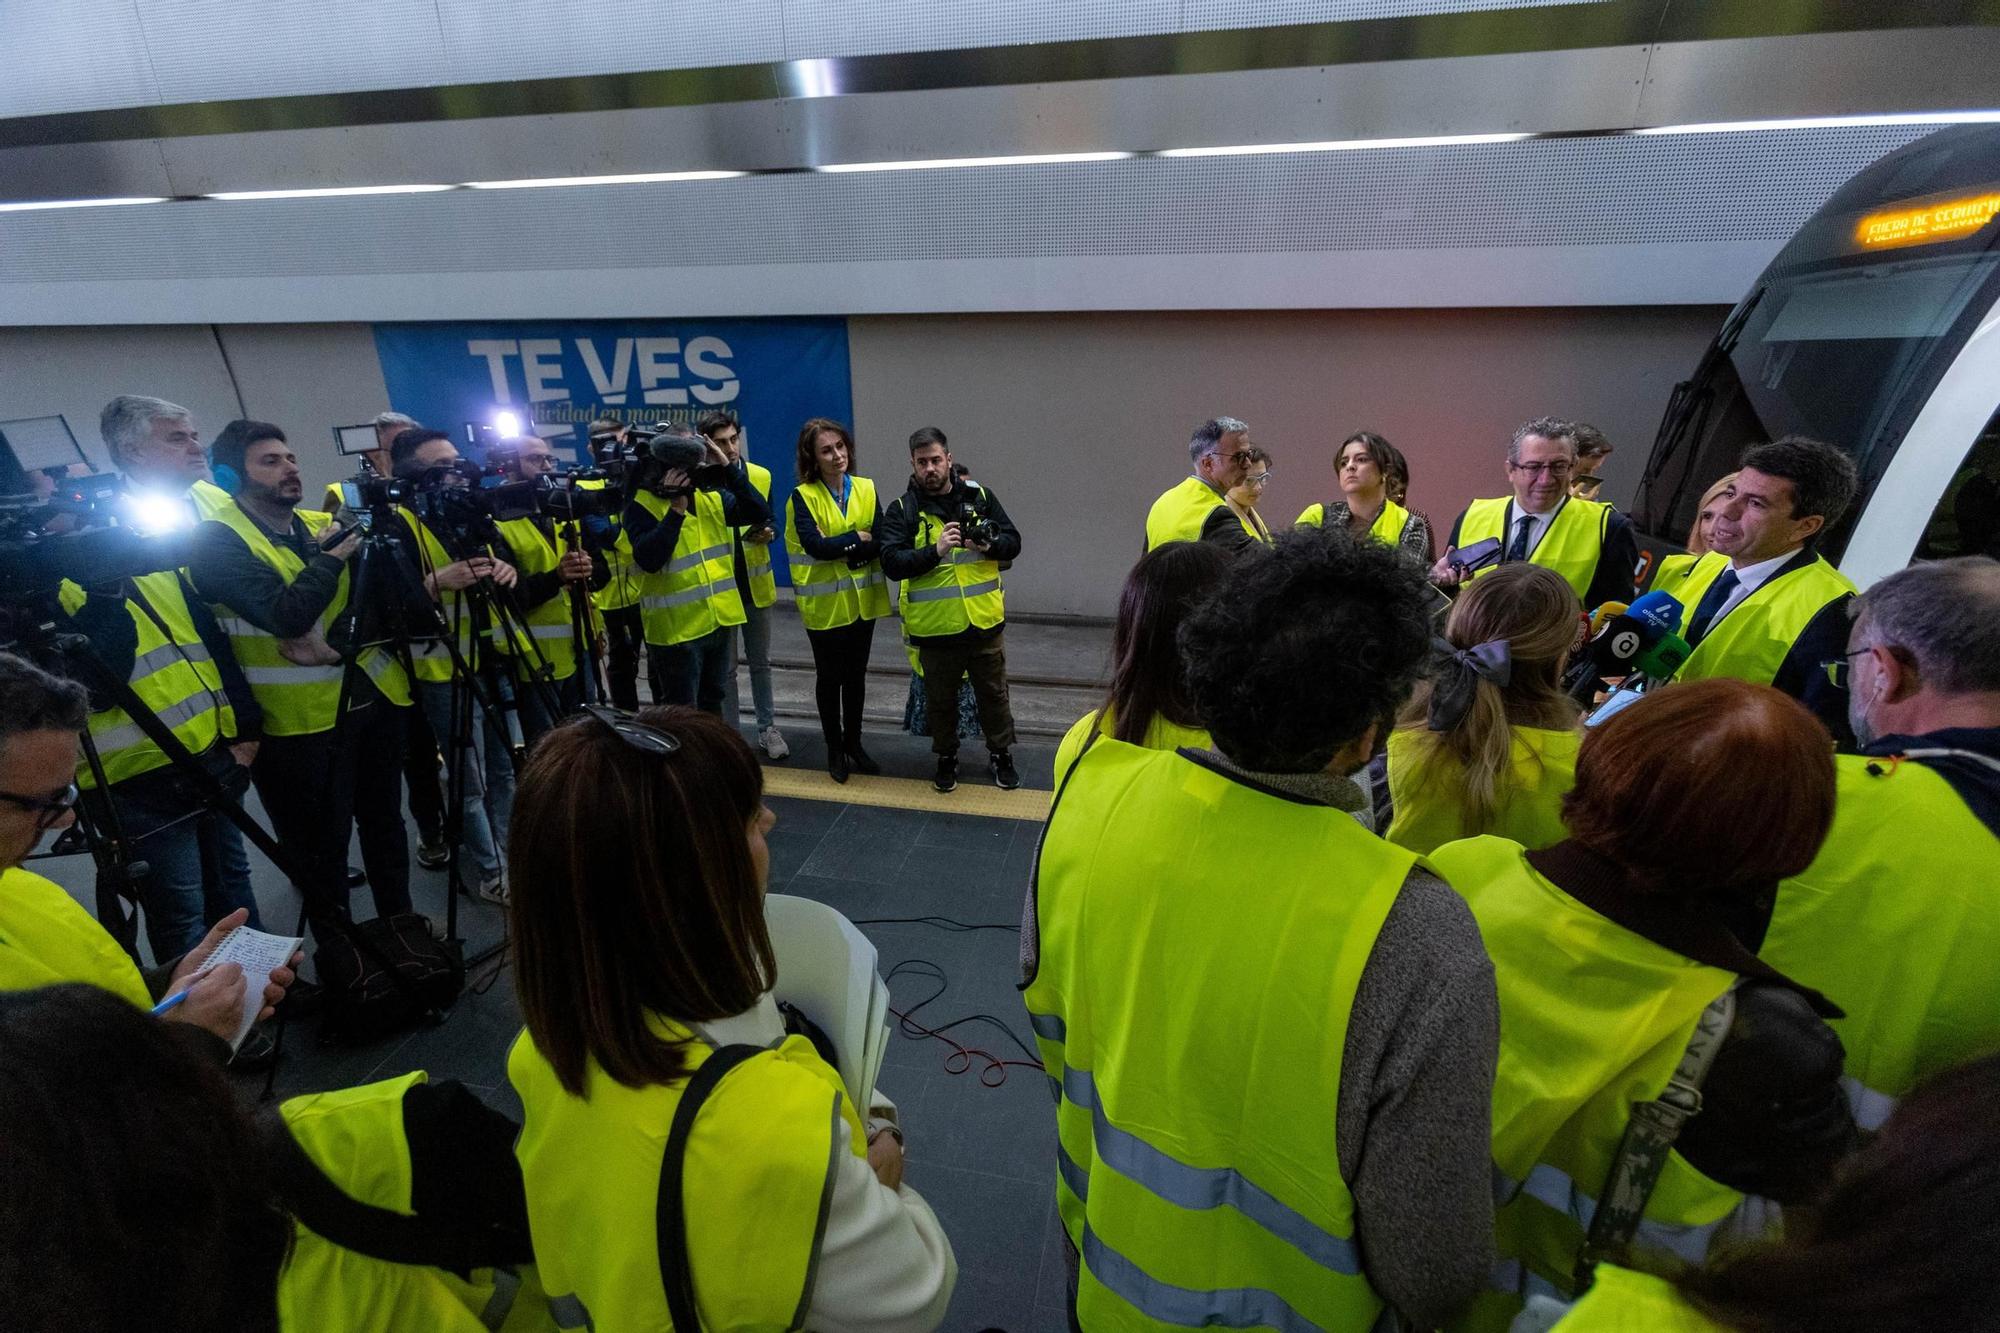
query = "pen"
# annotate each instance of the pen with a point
(169, 1002)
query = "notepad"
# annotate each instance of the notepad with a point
(827, 968)
(257, 953)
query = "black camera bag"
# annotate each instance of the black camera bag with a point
(382, 975)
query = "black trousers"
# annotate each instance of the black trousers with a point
(420, 773)
(947, 663)
(840, 680)
(627, 639)
(316, 795)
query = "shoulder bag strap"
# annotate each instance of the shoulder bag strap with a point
(1649, 1138)
(676, 1273)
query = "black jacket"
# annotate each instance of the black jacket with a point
(653, 539)
(906, 556)
(1617, 560)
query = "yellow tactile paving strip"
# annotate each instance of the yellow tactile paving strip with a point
(971, 798)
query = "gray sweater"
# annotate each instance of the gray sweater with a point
(1413, 1123)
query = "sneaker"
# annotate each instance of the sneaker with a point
(355, 877)
(432, 854)
(773, 742)
(947, 773)
(494, 891)
(1004, 776)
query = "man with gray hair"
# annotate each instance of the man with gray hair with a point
(155, 444)
(1197, 509)
(1898, 918)
(1590, 544)
(388, 425)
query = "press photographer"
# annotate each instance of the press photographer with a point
(683, 497)
(554, 591)
(617, 600)
(944, 539)
(333, 737)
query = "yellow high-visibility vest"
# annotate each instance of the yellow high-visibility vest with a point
(297, 700)
(1752, 641)
(173, 674)
(1423, 782)
(694, 593)
(1896, 921)
(550, 623)
(963, 592)
(1570, 545)
(829, 593)
(1180, 514)
(1593, 1019)
(1622, 1301)
(1197, 1170)
(757, 555)
(1387, 527)
(1160, 735)
(46, 939)
(758, 1179)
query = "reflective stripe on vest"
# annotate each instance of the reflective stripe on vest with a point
(297, 700)
(757, 569)
(1187, 1218)
(758, 1178)
(1179, 515)
(1752, 641)
(1425, 781)
(356, 1137)
(961, 592)
(172, 673)
(1916, 972)
(694, 593)
(829, 593)
(1570, 544)
(548, 624)
(1577, 1050)
(47, 938)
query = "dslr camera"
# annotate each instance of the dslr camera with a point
(974, 526)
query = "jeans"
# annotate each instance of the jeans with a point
(945, 664)
(196, 869)
(757, 652)
(317, 789)
(695, 672)
(840, 679)
(486, 801)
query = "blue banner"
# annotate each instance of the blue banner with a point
(556, 377)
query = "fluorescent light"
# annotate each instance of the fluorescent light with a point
(1342, 145)
(328, 192)
(927, 164)
(1828, 122)
(36, 204)
(643, 178)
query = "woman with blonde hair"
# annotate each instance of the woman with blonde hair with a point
(1697, 542)
(1488, 744)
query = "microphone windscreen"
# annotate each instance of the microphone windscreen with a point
(1657, 610)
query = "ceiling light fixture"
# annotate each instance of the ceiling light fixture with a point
(1831, 122)
(641, 178)
(1343, 145)
(328, 192)
(36, 205)
(928, 164)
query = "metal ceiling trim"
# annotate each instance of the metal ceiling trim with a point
(1415, 37)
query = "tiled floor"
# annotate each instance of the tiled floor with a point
(981, 1155)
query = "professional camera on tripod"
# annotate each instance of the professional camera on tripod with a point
(648, 453)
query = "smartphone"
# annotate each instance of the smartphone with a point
(1476, 556)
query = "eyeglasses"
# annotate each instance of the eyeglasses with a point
(637, 734)
(1557, 469)
(1261, 479)
(48, 811)
(1839, 669)
(1236, 457)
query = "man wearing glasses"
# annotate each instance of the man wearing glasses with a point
(1590, 544)
(1198, 508)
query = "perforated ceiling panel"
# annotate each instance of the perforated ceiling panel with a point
(1691, 189)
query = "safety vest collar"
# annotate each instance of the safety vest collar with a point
(1753, 638)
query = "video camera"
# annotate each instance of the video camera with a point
(90, 530)
(648, 453)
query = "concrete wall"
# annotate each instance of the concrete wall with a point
(1077, 421)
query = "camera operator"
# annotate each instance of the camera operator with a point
(155, 445)
(388, 425)
(944, 539)
(617, 601)
(45, 938)
(551, 560)
(149, 633)
(757, 586)
(320, 770)
(681, 538)
(486, 793)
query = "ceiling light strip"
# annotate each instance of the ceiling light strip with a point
(1343, 145)
(328, 192)
(641, 178)
(35, 205)
(1831, 122)
(935, 163)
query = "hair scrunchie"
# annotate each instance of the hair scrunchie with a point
(1458, 673)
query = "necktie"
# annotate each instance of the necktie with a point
(1711, 602)
(1518, 548)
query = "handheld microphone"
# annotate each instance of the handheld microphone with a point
(1658, 610)
(1603, 614)
(1635, 640)
(1661, 658)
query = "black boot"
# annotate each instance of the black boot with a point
(836, 763)
(862, 762)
